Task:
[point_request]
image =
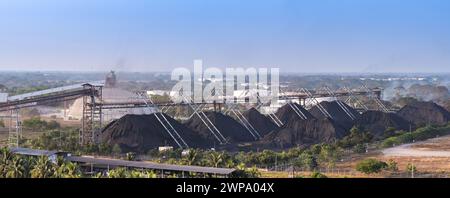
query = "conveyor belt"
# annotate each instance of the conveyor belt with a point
(49, 96)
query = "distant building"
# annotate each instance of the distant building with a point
(3, 97)
(111, 80)
(165, 148)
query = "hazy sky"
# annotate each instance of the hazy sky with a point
(158, 35)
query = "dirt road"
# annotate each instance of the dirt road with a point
(436, 147)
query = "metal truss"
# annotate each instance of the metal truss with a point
(353, 96)
(206, 121)
(380, 104)
(244, 122)
(164, 122)
(271, 115)
(312, 98)
(15, 129)
(339, 102)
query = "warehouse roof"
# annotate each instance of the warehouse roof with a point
(124, 163)
(149, 165)
(32, 152)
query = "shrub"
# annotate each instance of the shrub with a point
(356, 136)
(392, 165)
(422, 133)
(390, 142)
(369, 166)
(37, 124)
(131, 156)
(359, 148)
(306, 160)
(317, 174)
(411, 167)
(116, 149)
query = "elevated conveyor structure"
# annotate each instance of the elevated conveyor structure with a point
(93, 104)
(91, 121)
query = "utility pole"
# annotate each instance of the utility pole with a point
(293, 170)
(276, 160)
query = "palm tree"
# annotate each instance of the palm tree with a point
(43, 168)
(118, 173)
(136, 174)
(67, 170)
(215, 159)
(5, 158)
(5, 155)
(192, 157)
(16, 168)
(151, 174)
(229, 163)
(72, 170)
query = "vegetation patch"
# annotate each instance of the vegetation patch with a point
(419, 134)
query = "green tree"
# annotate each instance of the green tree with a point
(71, 170)
(35, 124)
(306, 160)
(5, 158)
(104, 148)
(135, 174)
(192, 157)
(243, 172)
(329, 154)
(390, 131)
(150, 174)
(118, 173)
(16, 168)
(43, 168)
(215, 159)
(359, 148)
(316, 174)
(392, 165)
(116, 149)
(369, 166)
(131, 156)
(356, 136)
(267, 157)
(53, 125)
(66, 169)
(412, 169)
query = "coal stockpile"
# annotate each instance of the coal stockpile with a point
(229, 127)
(140, 133)
(286, 113)
(305, 132)
(260, 122)
(337, 113)
(423, 113)
(376, 122)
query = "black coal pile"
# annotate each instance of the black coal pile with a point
(376, 122)
(305, 132)
(229, 127)
(140, 133)
(286, 113)
(337, 113)
(260, 122)
(423, 113)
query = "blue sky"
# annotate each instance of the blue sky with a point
(158, 35)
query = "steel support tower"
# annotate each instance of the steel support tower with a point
(91, 121)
